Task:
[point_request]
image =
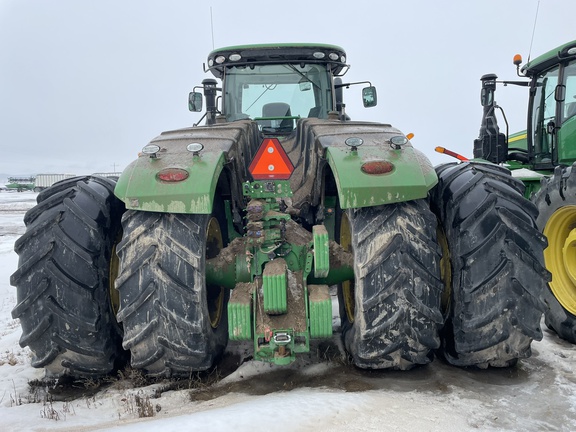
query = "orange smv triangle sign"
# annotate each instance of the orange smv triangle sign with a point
(271, 161)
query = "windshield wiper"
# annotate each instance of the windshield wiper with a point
(268, 87)
(291, 66)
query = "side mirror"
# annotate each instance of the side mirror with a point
(486, 96)
(488, 89)
(195, 101)
(560, 93)
(369, 97)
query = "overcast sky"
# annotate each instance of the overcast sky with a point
(84, 85)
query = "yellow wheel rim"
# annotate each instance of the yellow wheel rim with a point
(445, 268)
(347, 286)
(214, 294)
(560, 256)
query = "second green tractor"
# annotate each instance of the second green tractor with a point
(543, 157)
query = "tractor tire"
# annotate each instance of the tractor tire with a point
(65, 278)
(390, 313)
(556, 202)
(174, 323)
(492, 267)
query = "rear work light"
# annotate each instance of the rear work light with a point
(173, 175)
(151, 150)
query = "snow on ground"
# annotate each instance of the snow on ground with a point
(311, 395)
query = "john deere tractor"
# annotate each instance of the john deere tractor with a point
(238, 230)
(543, 157)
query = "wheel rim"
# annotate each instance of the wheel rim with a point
(560, 256)
(445, 268)
(214, 293)
(113, 270)
(347, 286)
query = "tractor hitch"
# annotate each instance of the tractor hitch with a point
(279, 275)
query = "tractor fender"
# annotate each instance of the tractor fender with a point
(140, 186)
(374, 175)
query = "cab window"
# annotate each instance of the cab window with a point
(277, 93)
(543, 114)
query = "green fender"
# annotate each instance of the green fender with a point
(140, 188)
(411, 175)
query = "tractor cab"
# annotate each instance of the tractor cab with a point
(552, 109)
(551, 127)
(276, 85)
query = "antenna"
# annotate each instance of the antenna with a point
(212, 26)
(533, 31)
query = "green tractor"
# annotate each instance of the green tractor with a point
(543, 157)
(238, 230)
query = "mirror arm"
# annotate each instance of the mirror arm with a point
(516, 83)
(347, 85)
(201, 118)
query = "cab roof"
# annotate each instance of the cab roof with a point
(244, 55)
(551, 58)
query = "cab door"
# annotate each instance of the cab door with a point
(566, 134)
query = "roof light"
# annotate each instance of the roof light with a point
(210, 62)
(343, 59)
(333, 56)
(319, 55)
(220, 59)
(235, 57)
(271, 162)
(173, 175)
(572, 51)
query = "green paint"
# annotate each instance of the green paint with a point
(321, 251)
(239, 321)
(140, 188)
(274, 288)
(412, 177)
(320, 311)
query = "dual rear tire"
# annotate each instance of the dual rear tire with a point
(174, 322)
(463, 274)
(92, 293)
(65, 279)
(390, 313)
(493, 265)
